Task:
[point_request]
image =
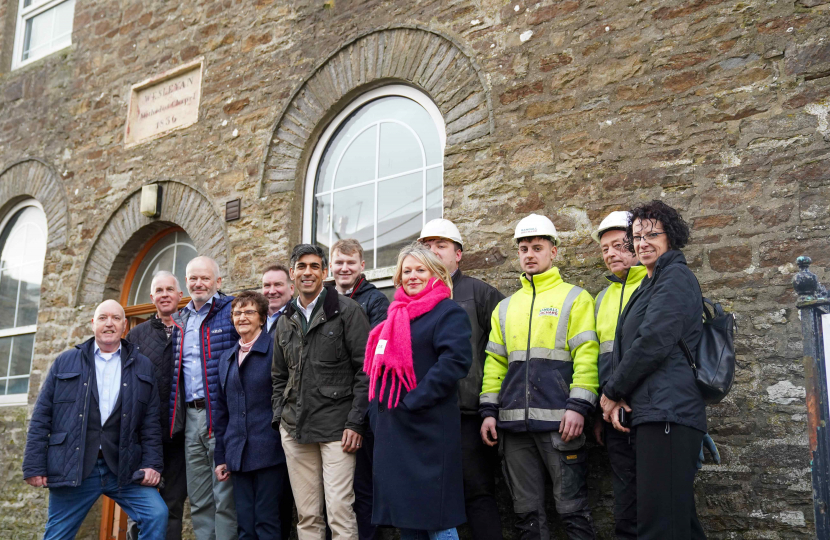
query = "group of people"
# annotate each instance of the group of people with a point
(363, 413)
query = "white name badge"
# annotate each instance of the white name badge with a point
(381, 347)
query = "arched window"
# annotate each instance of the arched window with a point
(377, 174)
(170, 250)
(22, 252)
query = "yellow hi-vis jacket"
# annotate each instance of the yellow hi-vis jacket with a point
(542, 355)
(609, 304)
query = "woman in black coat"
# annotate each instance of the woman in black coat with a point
(248, 451)
(413, 407)
(652, 380)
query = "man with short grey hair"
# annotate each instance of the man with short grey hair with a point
(203, 331)
(153, 339)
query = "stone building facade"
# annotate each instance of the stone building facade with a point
(571, 108)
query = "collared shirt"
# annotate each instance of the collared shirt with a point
(308, 311)
(272, 319)
(194, 385)
(108, 380)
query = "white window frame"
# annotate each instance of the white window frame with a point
(19, 399)
(23, 15)
(381, 277)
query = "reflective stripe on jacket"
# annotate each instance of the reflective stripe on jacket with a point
(609, 304)
(542, 355)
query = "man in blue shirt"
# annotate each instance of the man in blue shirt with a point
(279, 290)
(95, 431)
(203, 331)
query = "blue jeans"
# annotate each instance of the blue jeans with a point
(68, 506)
(413, 534)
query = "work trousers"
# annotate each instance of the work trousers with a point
(258, 498)
(212, 509)
(363, 486)
(529, 458)
(68, 506)
(172, 488)
(321, 473)
(666, 466)
(621, 454)
(479, 464)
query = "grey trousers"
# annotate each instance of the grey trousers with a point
(211, 502)
(528, 459)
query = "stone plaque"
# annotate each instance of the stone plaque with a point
(164, 103)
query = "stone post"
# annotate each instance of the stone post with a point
(814, 310)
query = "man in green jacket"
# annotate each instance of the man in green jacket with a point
(320, 395)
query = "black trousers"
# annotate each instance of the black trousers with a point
(621, 454)
(173, 491)
(666, 466)
(480, 464)
(257, 495)
(363, 490)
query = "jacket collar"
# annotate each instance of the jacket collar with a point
(672, 256)
(88, 350)
(262, 342)
(331, 304)
(635, 275)
(457, 277)
(542, 282)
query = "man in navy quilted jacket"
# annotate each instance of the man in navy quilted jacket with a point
(95, 431)
(203, 331)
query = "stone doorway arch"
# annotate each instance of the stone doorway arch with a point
(33, 178)
(126, 230)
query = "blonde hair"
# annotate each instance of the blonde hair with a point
(426, 257)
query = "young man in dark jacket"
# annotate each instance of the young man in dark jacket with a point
(480, 462)
(203, 332)
(347, 266)
(320, 396)
(95, 431)
(152, 338)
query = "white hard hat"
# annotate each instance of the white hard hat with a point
(441, 228)
(536, 225)
(615, 220)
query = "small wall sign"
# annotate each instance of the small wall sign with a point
(164, 103)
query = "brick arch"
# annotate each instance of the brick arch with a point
(33, 178)
(421, 57)
(126, 230)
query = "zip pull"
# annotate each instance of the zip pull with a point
(668, 428)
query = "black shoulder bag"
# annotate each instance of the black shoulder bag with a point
(714, 364)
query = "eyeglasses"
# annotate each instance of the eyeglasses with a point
(648, 237)
(247, 313)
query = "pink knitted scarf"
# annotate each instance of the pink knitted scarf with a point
(389, 349)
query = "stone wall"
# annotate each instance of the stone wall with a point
(577, 107)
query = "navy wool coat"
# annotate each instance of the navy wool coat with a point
(242, 421)
(417, 461)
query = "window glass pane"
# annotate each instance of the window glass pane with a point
(399, 150)
(435, 193)
(5, 354)
(353, 217)
(48, 31)
(8, 298)
(29, 295)
(323, 221)
(358, 161)
(400, 215)
(22, 348)
(171, 252)
(18, 386)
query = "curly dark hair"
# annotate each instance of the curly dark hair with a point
(676, 229)
(254, 298)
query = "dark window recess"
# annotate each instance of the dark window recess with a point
(233, 210)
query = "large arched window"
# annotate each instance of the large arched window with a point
(377, 174)
(170, 250)
(22, 252)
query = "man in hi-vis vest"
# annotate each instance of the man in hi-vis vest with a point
(540, 384)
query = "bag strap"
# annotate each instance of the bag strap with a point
(688, 354)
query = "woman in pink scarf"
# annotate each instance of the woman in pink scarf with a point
(414, 361)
